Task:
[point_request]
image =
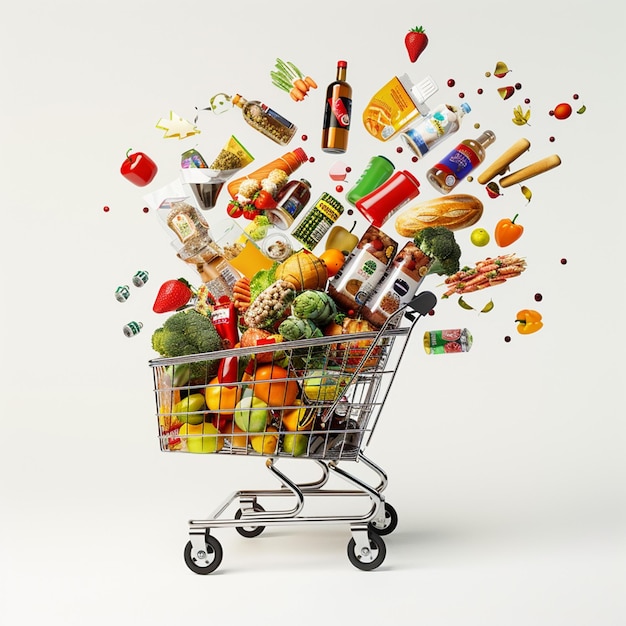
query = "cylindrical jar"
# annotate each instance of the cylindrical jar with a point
(377, 171)
(379, 205)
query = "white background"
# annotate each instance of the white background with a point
(506, 464)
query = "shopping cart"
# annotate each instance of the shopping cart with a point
(317, 399)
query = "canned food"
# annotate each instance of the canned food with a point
(447, 341)
(122, 293)
(317, 222)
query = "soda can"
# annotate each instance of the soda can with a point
(132, 328)
(447, 341)
(140, 278)
(122, 293)
(318, 220)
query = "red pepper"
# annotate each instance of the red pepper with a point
(224, 318)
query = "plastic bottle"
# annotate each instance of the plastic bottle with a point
(378, 170)
(379, 205)
(289, 163)
(396, 105)
(265, 120)
(337, 112)
(434, 128)
(456, 165)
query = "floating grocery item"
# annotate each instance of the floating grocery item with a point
(176, 126)
(265, 120)
(140, 278)
(132, 328)
(449, 341)
(337, 112)
(376, 172)
(122, 293)
(138, 168)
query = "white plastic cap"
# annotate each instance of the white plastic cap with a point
(424, 89)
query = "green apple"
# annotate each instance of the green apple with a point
(341, 239)
(251, 414)
(295, 444)
(201, 438)
(188, 410)
(479, 237)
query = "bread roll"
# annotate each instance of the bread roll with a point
(453, 212)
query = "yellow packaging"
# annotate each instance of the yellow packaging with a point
(396, 105)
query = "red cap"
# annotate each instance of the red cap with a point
(300, 154)
(342, 64)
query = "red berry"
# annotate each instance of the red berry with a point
(575, 96)
(339, 188)
(146, 209)
(311, 159)
(350, 211)
(518, 86)
(563, 261)
(399, 149)
(304, 137)
(414, 159)
(538, 297)
(526, 100)
(106, 209)
(348, 169)
(461, 94)
(431, 312)
(451, 82)
(479, 90)
(507, 339)
(552, 139)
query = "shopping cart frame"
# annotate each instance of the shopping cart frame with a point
(366, 549)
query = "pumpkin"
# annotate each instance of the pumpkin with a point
(349, 354)
(304, 271)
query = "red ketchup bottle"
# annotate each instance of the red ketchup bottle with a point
(380, 204)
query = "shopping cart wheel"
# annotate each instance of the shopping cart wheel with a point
(204, 561)
(250, 531)
(389, 524)
(368, 559)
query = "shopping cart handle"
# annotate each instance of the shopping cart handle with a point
(423, 303)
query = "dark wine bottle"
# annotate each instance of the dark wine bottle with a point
(337, 112)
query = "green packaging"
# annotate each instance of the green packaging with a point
(318, 220)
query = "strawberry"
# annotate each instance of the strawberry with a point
(172, 295)
(415, 41)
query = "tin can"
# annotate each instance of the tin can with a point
(318, 220)
(377, 171)
(140, 278)
(132, 328)
(447, 341)
(122, 293)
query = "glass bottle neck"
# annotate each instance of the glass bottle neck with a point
(341, 73)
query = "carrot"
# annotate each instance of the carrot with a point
(310, 82)
(296, 94)
(298, 83)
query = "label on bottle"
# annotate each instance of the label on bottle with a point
(460, 162)
(341, 109)
(317, 222)
(276, 116)
(183, 226)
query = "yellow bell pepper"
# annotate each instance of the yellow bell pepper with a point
(528, 321)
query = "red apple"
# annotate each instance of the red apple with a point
(138, 168)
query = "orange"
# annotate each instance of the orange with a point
(221, 398)
(269, 387)
(299, 418)
(334, 260)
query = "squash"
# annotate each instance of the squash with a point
(303, 270)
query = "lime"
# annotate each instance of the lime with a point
(479, 237)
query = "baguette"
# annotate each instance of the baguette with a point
(453, 212)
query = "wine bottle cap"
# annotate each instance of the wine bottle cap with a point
(466, 108)
(342, 64)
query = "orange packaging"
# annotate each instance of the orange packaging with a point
(288, 163)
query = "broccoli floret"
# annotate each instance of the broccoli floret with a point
(439, 244)
(188, 332)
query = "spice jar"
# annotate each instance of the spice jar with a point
(265, 120)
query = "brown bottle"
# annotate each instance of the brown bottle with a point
(337, 113)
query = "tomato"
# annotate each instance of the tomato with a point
(234, 209)
(269, 387)
(250, 212)
(221, 398)
(264, 200)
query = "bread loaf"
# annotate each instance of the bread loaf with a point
(453, 212)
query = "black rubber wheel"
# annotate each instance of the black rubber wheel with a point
(374, 557)
(204, 562)
(390, 523)
(250, 531)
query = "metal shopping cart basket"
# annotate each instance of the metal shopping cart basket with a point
(317, 399)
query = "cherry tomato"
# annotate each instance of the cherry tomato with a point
(264, 200)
